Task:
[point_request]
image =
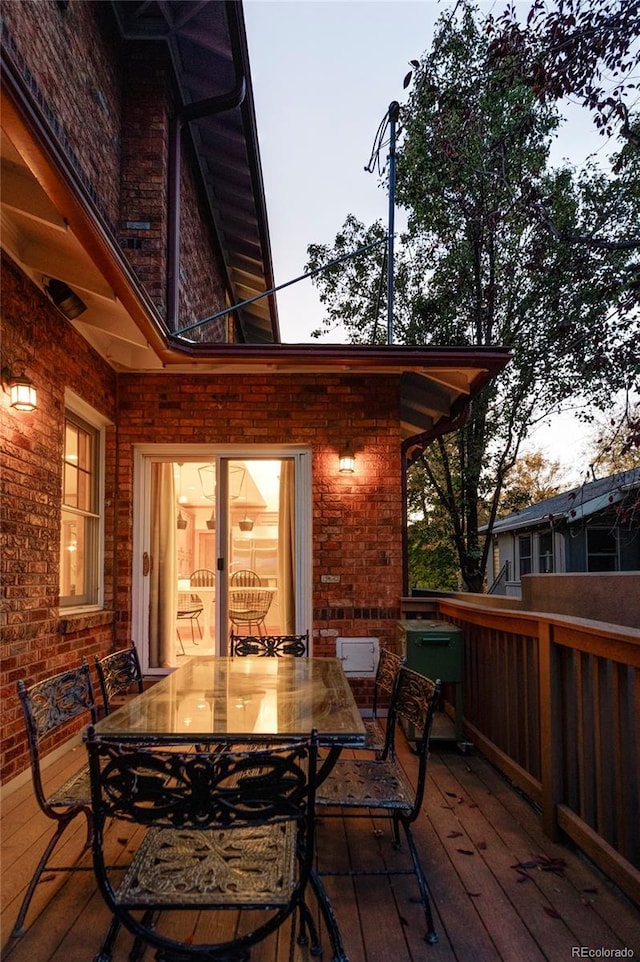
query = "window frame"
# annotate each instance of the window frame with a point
(599, 530)
(82, 415)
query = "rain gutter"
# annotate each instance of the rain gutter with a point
(195, 111)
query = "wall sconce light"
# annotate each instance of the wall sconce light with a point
(22, 391)
(65, 299)
(347, 462)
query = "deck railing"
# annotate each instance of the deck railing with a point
(554, 702)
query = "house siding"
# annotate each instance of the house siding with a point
(36, 640)
(357, 520)
(111, 114)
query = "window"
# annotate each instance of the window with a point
(524, 542)
(545, 553)
(602, 550)
(81, 522)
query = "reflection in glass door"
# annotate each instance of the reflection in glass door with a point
(212, 525)
(261, 546)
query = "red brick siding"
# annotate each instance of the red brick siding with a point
(35, 641)
(80, 94)
(111, 112)
(356, 520)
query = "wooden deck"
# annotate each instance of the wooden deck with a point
(500, 889)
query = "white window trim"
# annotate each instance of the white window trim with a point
(76, 405)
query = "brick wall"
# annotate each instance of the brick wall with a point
(111, 112)
(80, 95)
(356, 519)
(35, 641)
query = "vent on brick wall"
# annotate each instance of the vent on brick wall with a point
(359, 656)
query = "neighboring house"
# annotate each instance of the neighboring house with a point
(591, 528)
(171, 433)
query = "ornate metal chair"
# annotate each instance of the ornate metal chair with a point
(225, 830)
(380, 788)
(270, 646)
(389, 665)
(118, 674)
(48, 706)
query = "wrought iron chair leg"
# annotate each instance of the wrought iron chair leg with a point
(396, 831)
(431, 936)
(106, 949)
(138, 947)
(308, 925)
(326, 908)
(18, 929)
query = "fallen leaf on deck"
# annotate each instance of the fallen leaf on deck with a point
(47, 878)
(455, 835)
(465, 851)
(474, 895)
(481, 845)
(551, 912)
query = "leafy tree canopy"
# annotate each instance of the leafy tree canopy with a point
(493, 254)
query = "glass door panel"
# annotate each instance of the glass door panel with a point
(260, 546)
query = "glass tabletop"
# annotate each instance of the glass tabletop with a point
(252, 698)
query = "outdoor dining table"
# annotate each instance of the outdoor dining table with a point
(250, 699)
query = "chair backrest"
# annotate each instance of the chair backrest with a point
(415, 700)
(118, 674)
(53, 704)
(175, 787)
(389, 664)
(245, 578)
(202, 578)
(270, 646)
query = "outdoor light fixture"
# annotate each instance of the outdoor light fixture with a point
(65, 299)
(22, 391)
(347, 460)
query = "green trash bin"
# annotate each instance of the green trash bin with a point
(434, 649)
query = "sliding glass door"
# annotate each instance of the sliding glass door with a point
(222, 543)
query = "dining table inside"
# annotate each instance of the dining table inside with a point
(243, 700)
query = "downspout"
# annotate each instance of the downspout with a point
(203, 108)
(421, 441)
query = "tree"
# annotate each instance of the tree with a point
(532, 479)
(476, 267)
(616, 442)
(585, 48)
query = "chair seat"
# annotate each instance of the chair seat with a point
(75, 791)
(253, 866)
(358, 783)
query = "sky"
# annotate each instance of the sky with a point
(324, 73)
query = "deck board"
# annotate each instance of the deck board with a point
(481, 911)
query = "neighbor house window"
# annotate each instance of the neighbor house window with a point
(524, 543)
(545, 557)
(81, 513)
(602, 550)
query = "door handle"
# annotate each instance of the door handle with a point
(147, 564)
